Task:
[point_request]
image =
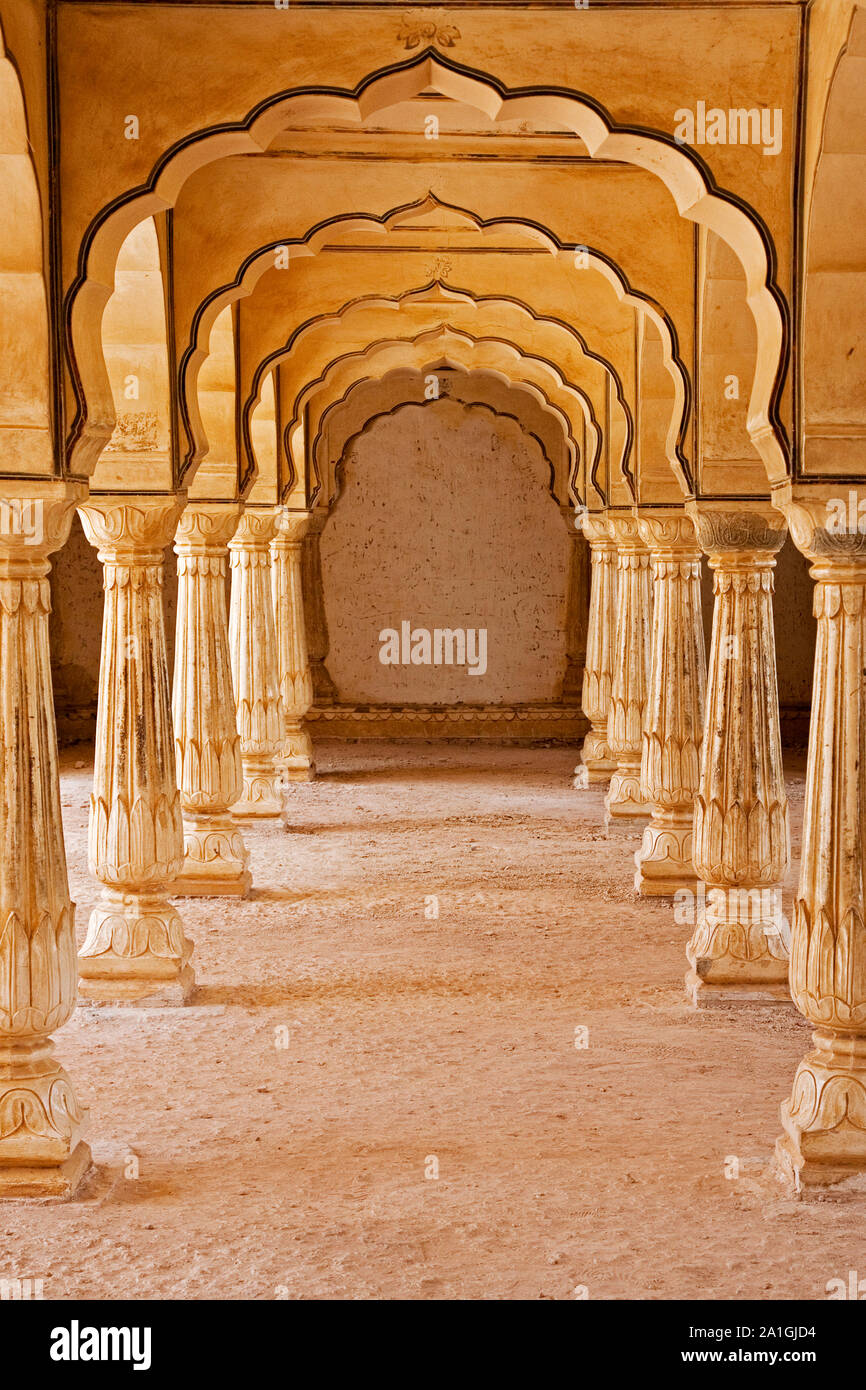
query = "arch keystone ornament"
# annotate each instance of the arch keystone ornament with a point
(41, 1150)
(252, 642)
(739, 948)
(597, 762)
(207, 746)
(824, 1120)
(674, 718)
(135, 947)
(625, 805)
(293, 667)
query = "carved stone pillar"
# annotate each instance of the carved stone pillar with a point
(207, 746)
(315, 618)
(674, 719)
(135, 946)
(577, 610)
(625, 804)
(41, 1151)
(596, 760)
(252, 642)
(293, 667)
(825, 1118)
(741, 842)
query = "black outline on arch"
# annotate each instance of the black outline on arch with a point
(401, 405)
(268, 362)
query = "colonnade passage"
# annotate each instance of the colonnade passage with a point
(428, 382)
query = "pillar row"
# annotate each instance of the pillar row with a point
(597, 763)
(824, 1119)
(42, 1153)
(135, 946)
(252, 642)
(739, 947)
(626, 807)
(207, 746)
(674, 718)
(293, 667)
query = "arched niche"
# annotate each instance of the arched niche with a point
(138, 455)
(25, 377)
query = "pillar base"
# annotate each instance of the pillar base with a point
(261, 795)
(298, 760)
(739, 948)
(135, 951)
(664, 862)
(704, 994)
(216, 861)
(57, 1182)
(824, 1118)
(597, 763)
(299, 771)
(625, 811)
(41, 1151)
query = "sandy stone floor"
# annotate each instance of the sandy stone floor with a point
(300, 1171)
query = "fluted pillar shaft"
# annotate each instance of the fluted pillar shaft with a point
(41, 1151)
(824, 1119)
(293, 667)
(625, 805)
(207, 745)
(739, 947)
(135, 946)
(252, 643)
(596, 760)
(315, 617)
(674, 718)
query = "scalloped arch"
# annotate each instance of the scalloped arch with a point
(477, 382)
(681, 171)
(520, 324)
(449, 348)
(258, 263)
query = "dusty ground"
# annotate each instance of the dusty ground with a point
(299, 1171)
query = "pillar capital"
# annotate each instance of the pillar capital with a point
(741, 531)
(255, 530)
(827, 522)
(291, 527)
(34, 522)
(668, 533)
(624, 531)
(205, 528)
(595, 528)
(129, 526)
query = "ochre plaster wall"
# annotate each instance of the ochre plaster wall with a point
(445, 521)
